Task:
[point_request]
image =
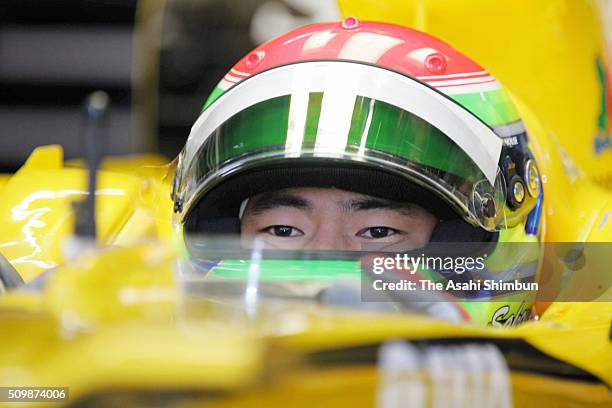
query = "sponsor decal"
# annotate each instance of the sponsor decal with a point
(511, 141)
(503, 318)
(603, 140)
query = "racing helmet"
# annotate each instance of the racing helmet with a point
(377, 109)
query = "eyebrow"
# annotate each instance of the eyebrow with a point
(365, 204)
(275, 200)
(280, 199)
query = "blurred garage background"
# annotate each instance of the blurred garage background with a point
(157, 59)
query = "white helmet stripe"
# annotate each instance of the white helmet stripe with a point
(298, 109)
(336, 113)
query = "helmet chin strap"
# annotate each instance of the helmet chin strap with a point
(242, 208)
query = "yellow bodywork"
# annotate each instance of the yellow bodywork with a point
(36, 210)
(114, 326)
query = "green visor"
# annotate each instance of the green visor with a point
(346, 125)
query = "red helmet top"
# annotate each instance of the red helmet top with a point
(394, 47)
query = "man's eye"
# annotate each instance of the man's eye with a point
(283, 231)
(377, 232)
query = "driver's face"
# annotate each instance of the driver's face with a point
(331, 219)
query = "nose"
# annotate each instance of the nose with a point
(330, 236)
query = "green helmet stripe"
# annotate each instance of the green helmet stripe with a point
(213, 96)
(270, 269)
(492, 107)
(362, 113)
(313, 115)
